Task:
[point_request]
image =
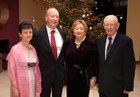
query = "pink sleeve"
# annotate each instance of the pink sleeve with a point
(12, 68)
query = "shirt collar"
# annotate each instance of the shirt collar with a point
(49, 29)
(113, 36)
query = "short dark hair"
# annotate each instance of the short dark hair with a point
(24, 25)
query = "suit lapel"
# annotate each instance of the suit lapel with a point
(103, 48)
(63, 37)
(46, 38)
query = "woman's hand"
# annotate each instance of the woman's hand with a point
(14, 91)
(92, 82)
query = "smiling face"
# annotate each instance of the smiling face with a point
(111, 24)
(26, 35)
(25, 31)
(52, 18)
(79, 28)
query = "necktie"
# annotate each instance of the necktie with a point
(109, 45)
(53, 45)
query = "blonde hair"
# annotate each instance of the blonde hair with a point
(81, 22)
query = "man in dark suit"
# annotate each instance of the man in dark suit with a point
(116, 61)
(51, 65)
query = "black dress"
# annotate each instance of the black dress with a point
(81, 65)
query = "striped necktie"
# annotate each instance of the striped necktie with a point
(109, 45)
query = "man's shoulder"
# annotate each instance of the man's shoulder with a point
(124, 37)
(40, 30)
(61, 30)
(102, 39)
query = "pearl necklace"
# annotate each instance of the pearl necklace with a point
(79, 43)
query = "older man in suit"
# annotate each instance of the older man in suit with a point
(116, 61)
(49, 43)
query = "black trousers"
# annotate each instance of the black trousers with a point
(54, 87)
(77, 88)
(112, 94)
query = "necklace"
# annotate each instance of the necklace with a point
(79, 43)
(26, 49)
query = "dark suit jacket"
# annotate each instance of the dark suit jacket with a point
(51, 70)
(116, 73)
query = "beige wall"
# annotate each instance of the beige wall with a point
(133, 25)
(30, 10)
(33, 9)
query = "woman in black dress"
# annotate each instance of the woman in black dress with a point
(81, 61)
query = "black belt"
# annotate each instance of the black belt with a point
(83, 70)
(31, 64)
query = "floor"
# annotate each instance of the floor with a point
(4, 86)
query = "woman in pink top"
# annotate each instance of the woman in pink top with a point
(23, 69)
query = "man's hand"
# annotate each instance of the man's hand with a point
(126, 92)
